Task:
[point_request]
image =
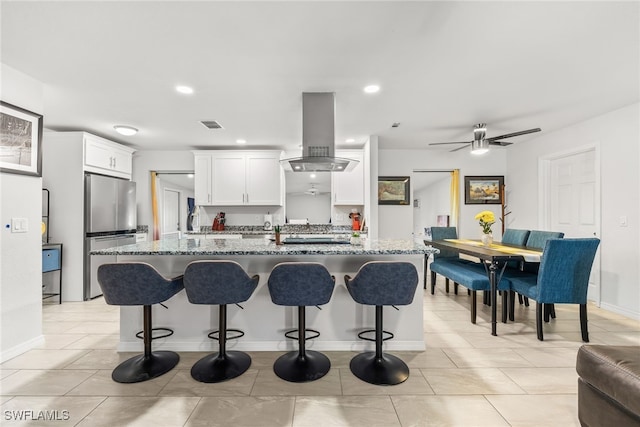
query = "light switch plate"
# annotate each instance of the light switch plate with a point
(19, 225)
(622, 221)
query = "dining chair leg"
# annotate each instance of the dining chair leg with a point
(505, 306)
(512, 305)
(468, 292)
(583, 322)
(426, 264)
(446, 284)
(552, 311)
(520, 299)
(546, 312)
(455, 288)
(539, 320)
(433, 282)
(474, 299)
(526, 301)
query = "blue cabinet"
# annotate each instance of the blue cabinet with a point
(52, 261)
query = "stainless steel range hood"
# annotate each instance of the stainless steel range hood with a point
(318, 136)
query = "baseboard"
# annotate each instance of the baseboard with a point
(619, 310)
(210, 346)
(21, 348)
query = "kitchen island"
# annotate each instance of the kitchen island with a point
(263, 322)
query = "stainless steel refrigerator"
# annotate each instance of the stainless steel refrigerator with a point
(109, 221)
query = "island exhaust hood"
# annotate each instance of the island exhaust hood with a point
(318, 136)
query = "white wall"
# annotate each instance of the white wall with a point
(618, 136)
(434, 200)
(21, 261)
(396, 222)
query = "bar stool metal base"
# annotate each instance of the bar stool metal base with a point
(145, 367)
(215, 368)
(385, 370)
(299, 368)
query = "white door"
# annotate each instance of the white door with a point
(574, 203)
(170, 214)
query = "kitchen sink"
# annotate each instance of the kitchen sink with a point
(315, 240)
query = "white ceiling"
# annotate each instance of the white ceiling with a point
(442, 67)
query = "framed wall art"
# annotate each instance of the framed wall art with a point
(393, 190)
(20, 140)
(483, 190)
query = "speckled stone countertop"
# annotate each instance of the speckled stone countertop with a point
(285, 229)
(265, 247)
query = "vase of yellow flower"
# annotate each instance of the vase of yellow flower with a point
(486, 219)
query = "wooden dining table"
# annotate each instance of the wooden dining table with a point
(495, 257)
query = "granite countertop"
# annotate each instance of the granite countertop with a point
(285, 229)
(265, 247)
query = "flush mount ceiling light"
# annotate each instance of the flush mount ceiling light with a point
(186, 90)
(372, 89)
(350, 140)
(125, 130)
(241, 141)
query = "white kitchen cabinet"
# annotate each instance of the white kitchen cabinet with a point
(107, 157)
(202, 179)
(347, 188)
(238, 178)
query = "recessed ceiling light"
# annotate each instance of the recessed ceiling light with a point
(297, 167)
(350, 140)
(241, 141)
(372, 89)
(184, 89)
(313, 175)
(125, 130)
(189, 175)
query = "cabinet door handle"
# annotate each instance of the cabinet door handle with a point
(110, 162)
(114, 162)
(247, 197)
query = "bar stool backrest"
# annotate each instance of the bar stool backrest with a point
(384, 283)
(218, 282)
(135, 283)
(300, 284)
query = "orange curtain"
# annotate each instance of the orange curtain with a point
(455, 197)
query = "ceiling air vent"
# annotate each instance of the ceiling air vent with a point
(212, 124)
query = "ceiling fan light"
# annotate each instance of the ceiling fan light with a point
(479, 147)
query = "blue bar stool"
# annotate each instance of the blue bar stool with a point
(301, 284)
(219, 283)
(138, 283)
(381, 283)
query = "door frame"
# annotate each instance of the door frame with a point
(163, 204)
(544, 193)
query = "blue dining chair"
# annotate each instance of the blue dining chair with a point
(536, 240)
(441, 233)
(563, 278)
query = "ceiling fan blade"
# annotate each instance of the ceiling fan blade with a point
(501, 143)
(444, 143)
(459, 148)
(509, 135)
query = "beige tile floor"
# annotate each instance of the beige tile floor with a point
(465, 377)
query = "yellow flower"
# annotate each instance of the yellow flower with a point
(486, 220)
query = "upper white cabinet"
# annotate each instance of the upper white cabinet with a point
(107, 157)
(347, 188)
(238, 178)
(202, 179)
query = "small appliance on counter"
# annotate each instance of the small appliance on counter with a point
(355, 220)
(218, 222)
(268, 222)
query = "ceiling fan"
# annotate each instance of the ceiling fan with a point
(480, 144)
(311, 191)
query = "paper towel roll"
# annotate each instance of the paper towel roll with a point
(268, 222)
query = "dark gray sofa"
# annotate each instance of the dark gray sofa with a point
(609, 385)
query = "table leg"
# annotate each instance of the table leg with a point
(494, 296)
